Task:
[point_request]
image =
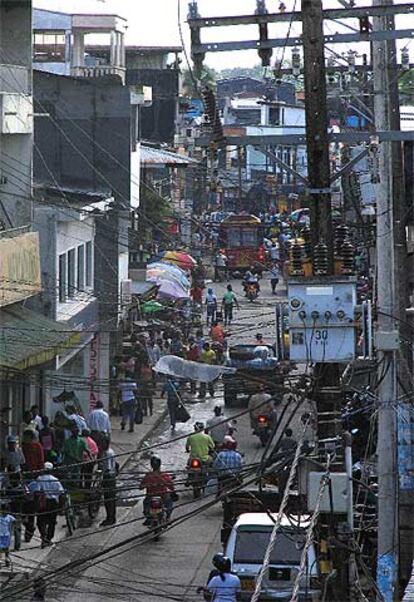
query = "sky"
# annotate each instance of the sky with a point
(155, 22)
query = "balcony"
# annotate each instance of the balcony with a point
(99, 71)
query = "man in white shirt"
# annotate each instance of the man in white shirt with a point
(99, 424)
(48, 490)
(217, 426)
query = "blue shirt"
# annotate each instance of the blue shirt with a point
(224, 591)
(228, 462)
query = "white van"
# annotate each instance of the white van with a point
(246, 548)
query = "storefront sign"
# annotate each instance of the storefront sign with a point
(93, 376)
(19, 268)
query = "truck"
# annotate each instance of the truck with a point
(251, 371)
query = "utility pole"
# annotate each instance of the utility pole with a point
(317, 126)
(387, 336)
(239, 173)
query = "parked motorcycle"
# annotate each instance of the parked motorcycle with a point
(263, 429)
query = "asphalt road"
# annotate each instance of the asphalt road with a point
(173, 567)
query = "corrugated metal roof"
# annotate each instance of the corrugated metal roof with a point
(29, 339)
(157, 156)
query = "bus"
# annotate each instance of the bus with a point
(241, 238)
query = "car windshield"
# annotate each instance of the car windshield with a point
(251, 547)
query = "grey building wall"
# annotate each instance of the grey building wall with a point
(16, 149)
(158, 121)
(86, 145)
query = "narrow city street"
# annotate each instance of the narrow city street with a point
(174, 566)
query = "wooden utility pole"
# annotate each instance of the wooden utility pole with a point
(317, 126)
(387, 559)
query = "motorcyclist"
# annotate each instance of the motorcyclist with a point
(250, 278)
(228, 464)
(221, 583)
(160, 484)
(199, 444)
(260, 404)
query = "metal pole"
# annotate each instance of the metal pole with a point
(387, 560)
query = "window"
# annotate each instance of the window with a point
(71, 273)
(62, 277)
(89, 264)
(81, 268)
(251, 547)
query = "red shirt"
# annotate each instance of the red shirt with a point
(33, 453)
(197, 294)
(157, 483)
(193, 354)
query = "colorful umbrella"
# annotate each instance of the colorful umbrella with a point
(172, 290)
(179, 258)
(157, 272)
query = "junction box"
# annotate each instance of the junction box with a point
(322, 319)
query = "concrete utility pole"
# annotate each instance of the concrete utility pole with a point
(317, 143)
(387, 336)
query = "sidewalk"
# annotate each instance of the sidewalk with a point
(31, 557)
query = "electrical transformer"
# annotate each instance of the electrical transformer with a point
(322, 319)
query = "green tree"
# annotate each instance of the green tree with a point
(406, 87)
(192, 86)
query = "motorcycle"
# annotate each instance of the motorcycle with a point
(157, 515)
(263, 429)
(197, 476)
(252, 291)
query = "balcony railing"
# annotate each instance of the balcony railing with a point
(99, 71)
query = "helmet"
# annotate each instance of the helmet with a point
(48, 466)
(229, 442)
(155, 463)
(221, 562)
(198, 427)
(11, 439)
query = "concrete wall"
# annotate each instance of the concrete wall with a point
(16, 149)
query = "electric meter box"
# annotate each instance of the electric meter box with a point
(321, 319)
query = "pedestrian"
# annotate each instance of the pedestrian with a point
(32, 451)
(36, 417)
(217, 333)
(109, 469)
(6, 529)
(47, 440)
(74, 416)
(48, 491)
(228, 303)
(217, 426)
(28, 423)
(99, 424)
(211, 305)
(220, 267)
(145, 389)
(12, 458)
(74, 451)
(17, 492)
(207, 356)
(274, 252)
(274, 277)
(127, 392)
(193, 355)
(88, 465)
(173, 399)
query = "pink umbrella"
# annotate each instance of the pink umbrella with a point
(172, 290)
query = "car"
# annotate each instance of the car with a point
(246, 548)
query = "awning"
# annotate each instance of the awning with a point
(28, 339)
(155, 157)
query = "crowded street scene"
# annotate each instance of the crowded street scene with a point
(206, 301)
